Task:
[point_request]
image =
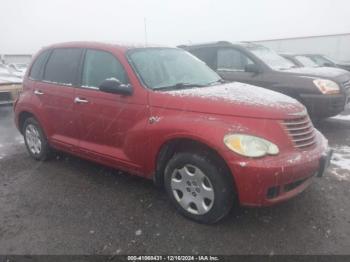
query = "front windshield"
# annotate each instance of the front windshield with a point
(305, 61)
(165, 67)
(271, 58)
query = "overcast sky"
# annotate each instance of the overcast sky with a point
(27, 25)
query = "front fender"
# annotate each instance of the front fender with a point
(205, 129)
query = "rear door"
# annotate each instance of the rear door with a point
(56, 92)
(110, 125)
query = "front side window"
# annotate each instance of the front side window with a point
(37, 67)
(63, 65)
(232, 60)
(99, 66)
(165, 67)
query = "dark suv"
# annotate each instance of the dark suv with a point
(324, 91)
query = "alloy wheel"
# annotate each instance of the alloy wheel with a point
(192, 189)
(33, 139)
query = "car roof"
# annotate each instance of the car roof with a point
(219, 44)
(105, 45)
(287, 54)
(291, 54)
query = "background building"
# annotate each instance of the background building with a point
(335, 46)
(15, 58)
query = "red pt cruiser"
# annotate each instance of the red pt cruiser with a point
(163, 114)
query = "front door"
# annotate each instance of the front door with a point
(231, 65)
(110, 125)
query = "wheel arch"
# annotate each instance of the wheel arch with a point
(22, 116)
(182, 144)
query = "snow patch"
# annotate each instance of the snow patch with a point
(243, 164)
(342, 117)
(56, 83)
(321, 72)
(294, 159)
(91, 87)
(19, 139)
(240, 93)
(341, 163)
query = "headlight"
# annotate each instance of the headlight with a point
(327, 87)
(250, 146)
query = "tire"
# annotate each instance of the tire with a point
(199, 187)
(35, 140)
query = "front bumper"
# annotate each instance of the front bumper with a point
(274, 179)
(322, 106)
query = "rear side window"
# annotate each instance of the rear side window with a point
(36, 71)
(232, 59)
(63, 65)
(291, 60)
(99, 66)
(208, 55)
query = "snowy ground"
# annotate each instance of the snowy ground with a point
(71, 206)
(341, 156)
(342, 117)
(341, 162)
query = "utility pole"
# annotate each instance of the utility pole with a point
(145, 24)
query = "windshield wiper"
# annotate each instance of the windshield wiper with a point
(219, 81)
(179, 86)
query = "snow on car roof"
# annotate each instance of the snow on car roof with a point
(8, 79)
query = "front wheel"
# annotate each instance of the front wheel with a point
(199, 187)
(35, 140)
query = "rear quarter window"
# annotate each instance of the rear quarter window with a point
(63, 66)
(36, 71)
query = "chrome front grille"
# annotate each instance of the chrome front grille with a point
(301, 131)
(347, 85)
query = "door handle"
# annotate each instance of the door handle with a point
(38, 92)
(79, 100)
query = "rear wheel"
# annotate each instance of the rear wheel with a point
(199, 188)
(35, 139)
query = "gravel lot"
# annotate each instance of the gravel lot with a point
(72, 206)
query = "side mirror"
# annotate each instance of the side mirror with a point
(114, 86)
(252, 68)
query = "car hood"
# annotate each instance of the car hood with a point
(5, 79)
(343, 63)
(344, 66)
(234, 99)
(336, 74)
